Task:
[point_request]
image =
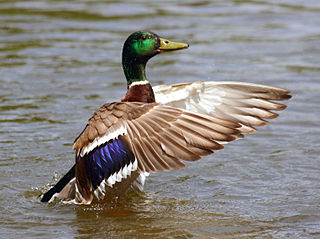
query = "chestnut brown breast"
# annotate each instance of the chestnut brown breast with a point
(139, 93)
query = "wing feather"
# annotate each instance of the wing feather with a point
(172, 162)
(161, 136)
(141, 154)
(243, 103)
(154, 157)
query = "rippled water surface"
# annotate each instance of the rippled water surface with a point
(60, 60)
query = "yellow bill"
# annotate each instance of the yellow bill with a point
(166, 45)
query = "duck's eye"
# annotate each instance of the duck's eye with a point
(144, 37)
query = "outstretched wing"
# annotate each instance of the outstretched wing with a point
(123, 138)
(244, 103)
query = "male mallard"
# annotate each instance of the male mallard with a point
(153, 129)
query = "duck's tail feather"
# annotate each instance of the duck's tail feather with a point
(65, 188)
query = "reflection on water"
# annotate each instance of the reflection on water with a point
(61, 60)
(154, 217)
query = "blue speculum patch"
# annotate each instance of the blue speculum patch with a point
(106, 160)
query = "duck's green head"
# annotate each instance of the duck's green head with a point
(139, 48)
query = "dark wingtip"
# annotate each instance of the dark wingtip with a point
(287, 97)
(47, 196)
(59, 186)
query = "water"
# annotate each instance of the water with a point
(60, 60)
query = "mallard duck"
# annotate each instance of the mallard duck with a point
(156, 129)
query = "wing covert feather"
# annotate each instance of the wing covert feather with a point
(159, 136)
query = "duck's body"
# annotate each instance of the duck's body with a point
(153, 129)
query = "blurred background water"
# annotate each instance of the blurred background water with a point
(61, 60)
